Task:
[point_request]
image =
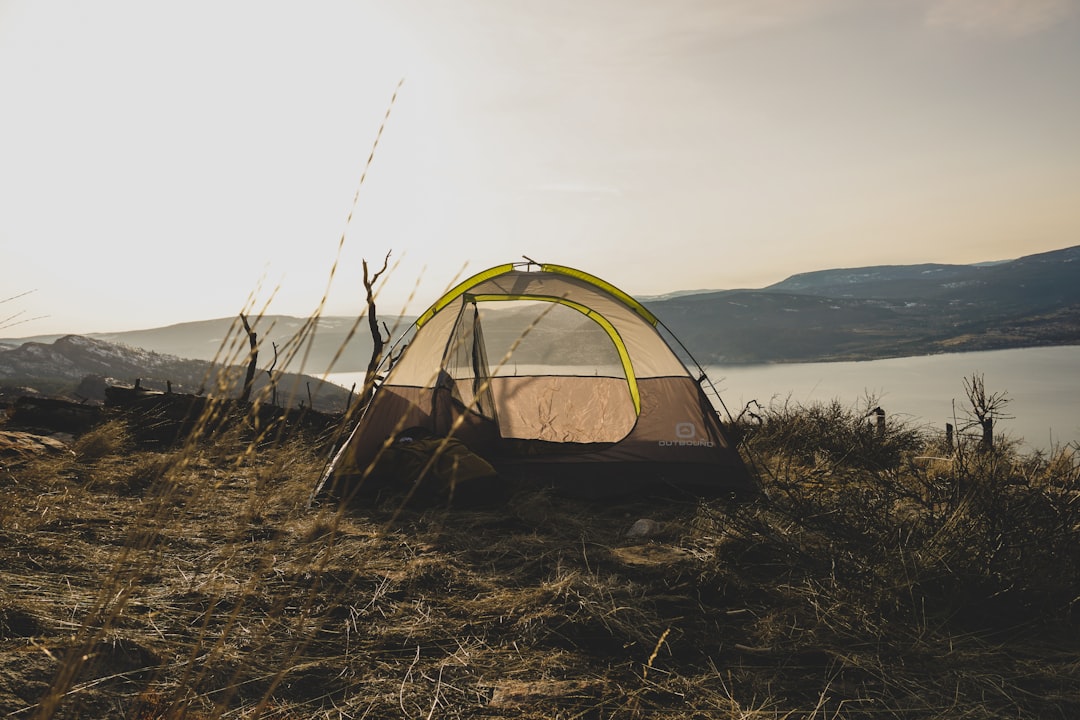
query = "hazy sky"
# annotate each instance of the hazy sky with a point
(163, 161)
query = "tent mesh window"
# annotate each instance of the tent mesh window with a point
(555, 373)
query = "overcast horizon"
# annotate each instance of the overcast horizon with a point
(164, 162)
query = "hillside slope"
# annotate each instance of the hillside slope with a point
(888, 311)
(81, 367)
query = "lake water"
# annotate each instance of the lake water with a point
(1043, 385)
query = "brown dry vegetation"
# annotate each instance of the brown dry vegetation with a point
(195, 582)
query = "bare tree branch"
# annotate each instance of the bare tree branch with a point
(986, 408)
(378, 343)
(253, 358)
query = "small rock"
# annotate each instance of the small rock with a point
(23, 445)
(644, 528)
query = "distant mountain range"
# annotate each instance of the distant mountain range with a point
(886, 311)
(224, 340)
(827, 315)
(80, 368)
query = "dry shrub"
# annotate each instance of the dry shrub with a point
(830, 434)
(965, 567)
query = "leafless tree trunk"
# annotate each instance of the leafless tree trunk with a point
(253, 358)
(985, 407)
(879, 421)
(378, 343)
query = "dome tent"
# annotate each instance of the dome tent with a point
(549, 374)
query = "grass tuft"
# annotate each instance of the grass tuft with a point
(103, 441)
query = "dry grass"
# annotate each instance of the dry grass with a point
(196, 583)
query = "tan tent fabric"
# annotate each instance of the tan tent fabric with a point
(622, 405)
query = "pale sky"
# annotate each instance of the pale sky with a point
(163, 161)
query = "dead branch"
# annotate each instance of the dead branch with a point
(253, 358)
(986, 408)
(377, 340)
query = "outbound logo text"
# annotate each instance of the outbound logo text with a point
(686, 435)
